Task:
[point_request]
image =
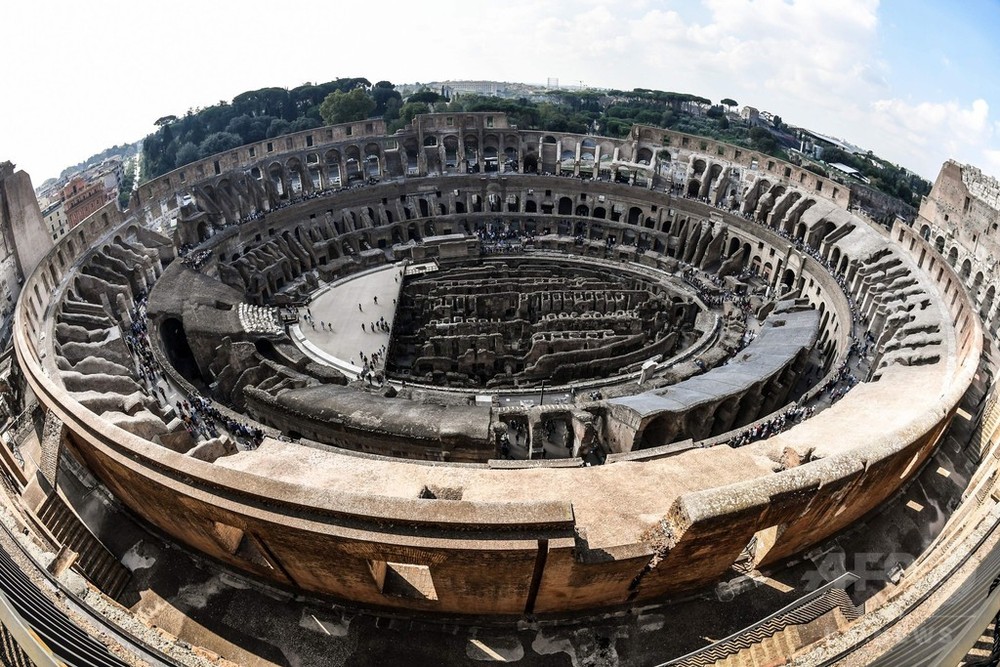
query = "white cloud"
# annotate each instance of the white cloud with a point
(816, 63)
(991, 162)
(922, 132)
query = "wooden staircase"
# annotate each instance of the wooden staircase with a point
(95, 562)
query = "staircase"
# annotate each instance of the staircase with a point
(771, 641)
(95, 562)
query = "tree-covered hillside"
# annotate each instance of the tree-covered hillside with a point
(251, 116)
(270, 112)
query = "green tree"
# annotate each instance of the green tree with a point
(303, 123)
(762, 140)
(426, 96)
(186, 154)
(410, 110)
(340, 107)
(250, 128)
(728, 102)
(384, 93)
(392, 107)
(218, 142)
(278, 127)
(125, 188)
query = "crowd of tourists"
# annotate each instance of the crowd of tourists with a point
(773, 425)
(200, 416)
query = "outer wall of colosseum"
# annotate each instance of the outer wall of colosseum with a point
(509, 550)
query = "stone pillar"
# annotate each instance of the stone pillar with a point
(63, 561)
(21, 218)
(421, 159)
(51, 446)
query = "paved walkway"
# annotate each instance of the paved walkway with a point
(348, 306)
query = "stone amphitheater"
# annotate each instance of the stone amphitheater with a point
(584, 376)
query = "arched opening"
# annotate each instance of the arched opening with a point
(531, 163)
(491, 159)
(565, 206)
(634, 215)
(660, 431)
(820, 232)
(788, 278)
(800, 232)
(203, 231)
(410, 150)
(987, 304)
(266, 349)
(175, 344)
(450, 151)
(277, 178)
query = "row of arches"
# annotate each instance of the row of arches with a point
(980, 284)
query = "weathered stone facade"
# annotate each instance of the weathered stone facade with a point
(498, 537)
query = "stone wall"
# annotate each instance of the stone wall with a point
(496, 541)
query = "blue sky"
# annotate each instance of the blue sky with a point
(916, 82)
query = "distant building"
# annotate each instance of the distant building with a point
(55, 219)
(486, 88)
(750, 114)
(850, 171)
(80, 199)
(110, 173)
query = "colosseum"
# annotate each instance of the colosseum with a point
(468, 371)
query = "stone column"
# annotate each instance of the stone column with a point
(51, 447)
(776, 278)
